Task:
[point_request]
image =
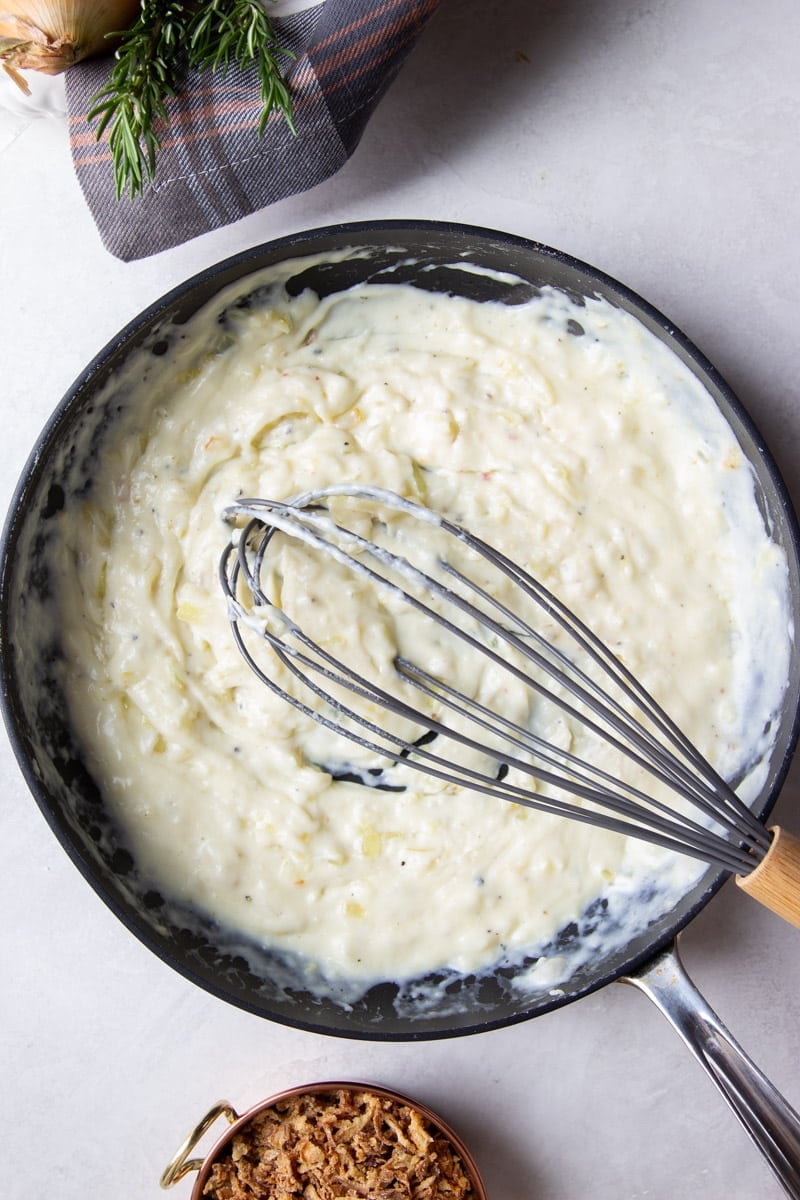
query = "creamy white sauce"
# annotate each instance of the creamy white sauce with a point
(593, 458)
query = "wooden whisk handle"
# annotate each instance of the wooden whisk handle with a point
(775, 882)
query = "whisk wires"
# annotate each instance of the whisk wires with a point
(469, 612)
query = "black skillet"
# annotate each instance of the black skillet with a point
(423, 254)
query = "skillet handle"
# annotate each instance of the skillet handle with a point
(773, 1124)
(775, 882)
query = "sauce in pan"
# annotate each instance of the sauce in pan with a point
(565, 434)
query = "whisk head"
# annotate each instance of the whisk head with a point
(541, 672)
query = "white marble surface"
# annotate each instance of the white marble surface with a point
(659, 142)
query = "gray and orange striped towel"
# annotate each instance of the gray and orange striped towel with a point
(213, 167)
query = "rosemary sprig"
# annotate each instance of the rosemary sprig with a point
(144, 75)
(166, 36)
(240, 30)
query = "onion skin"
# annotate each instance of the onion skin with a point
(52, 36)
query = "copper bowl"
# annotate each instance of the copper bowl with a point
(181, 1164)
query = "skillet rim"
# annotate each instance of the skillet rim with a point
(200, 286)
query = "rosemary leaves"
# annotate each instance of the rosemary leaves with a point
(150, 62)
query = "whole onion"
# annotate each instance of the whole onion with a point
(52, 35)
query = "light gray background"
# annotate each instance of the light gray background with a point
(660, 143)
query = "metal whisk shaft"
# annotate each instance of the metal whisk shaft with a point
(468, 611)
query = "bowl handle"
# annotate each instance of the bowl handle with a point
(771, 1122)
(181, 1164)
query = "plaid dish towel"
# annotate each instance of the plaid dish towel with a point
(213, 168)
